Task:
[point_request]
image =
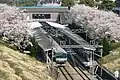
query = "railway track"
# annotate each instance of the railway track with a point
(80, 71)
(74, 72)
(70, 73)
(65, 73)
(78, 67)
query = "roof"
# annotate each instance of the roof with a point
(43, 7)
(33, 25)
(40, 36)
(116, 8)
(43, 40)
(56, 25)
(84, 44)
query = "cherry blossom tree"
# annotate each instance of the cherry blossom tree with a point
(13, 25)
(97, 22)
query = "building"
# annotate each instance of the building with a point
(118, 3)
(117, 8)
(46, 12)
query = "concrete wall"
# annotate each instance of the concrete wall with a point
(54, 17)
(57, 13)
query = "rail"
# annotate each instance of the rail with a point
(79, 68)
(80, 72)
(65, 73)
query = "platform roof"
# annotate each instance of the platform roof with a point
(40, 36)
(43, 40)
(33, 25)
(84, 44)
(56, 25)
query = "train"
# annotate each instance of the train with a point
(60, 55)
(85, 50)
(49, 45)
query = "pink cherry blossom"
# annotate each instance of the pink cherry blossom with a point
(13, 24)
(97, 22)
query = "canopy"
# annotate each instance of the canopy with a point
(33, 25)
(56, 25)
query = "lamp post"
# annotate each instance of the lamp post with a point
(51, 41)
(86, 34)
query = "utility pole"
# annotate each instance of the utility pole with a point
(52, 55)
(86, 34)
(54, 69)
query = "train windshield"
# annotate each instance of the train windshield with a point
(61, 55)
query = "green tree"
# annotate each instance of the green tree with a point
(28, 3)
(106, 46)
(68, 3)
(33, 49)
(106, 5)
(87, 2)
(22, 2)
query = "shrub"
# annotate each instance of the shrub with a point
(34, 48)
(106, 46)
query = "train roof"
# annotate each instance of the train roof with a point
(57, 48)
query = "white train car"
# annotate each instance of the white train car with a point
(60, 55)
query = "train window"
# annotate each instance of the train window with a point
(41, 16)
(61, 55)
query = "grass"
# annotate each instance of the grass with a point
(112, 60)
(8, 45)
(18, 66)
